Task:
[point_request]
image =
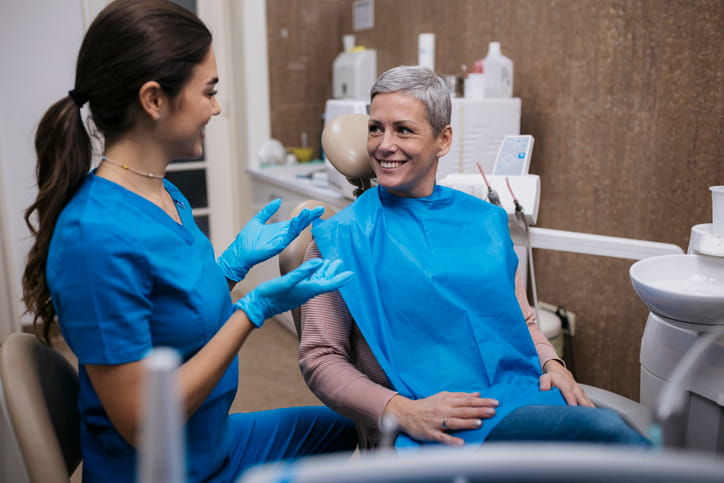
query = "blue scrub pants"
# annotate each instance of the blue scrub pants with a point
(288, 433)
(566, 423)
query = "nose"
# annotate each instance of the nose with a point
(387, 142)
(215, 107)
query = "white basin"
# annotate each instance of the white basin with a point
(689, 288)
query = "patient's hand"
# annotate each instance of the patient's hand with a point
(555, 375)
(423, 419)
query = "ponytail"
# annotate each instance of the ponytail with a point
(63, 149)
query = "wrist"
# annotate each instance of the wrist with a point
(553, 364)
(250, 306)
(233, 273)
(395, 407)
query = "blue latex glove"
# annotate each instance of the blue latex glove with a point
(258, 241)
(312, 278)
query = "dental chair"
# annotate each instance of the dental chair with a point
(293, 255)
(344, 140)
(39, 420)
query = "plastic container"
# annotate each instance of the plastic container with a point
(498, 70)
(717, 210)
(475, 86)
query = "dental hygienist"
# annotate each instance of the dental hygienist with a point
(118, 258)
(435, 328)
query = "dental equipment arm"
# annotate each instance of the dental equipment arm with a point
(523, 221)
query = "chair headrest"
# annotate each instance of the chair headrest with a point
(344, 140)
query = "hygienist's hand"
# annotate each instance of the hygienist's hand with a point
(555, 375)
(258, 241)
(312, 278)
(422, 419)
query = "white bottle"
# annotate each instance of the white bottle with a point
(498, 70)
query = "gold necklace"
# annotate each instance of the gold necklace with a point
(135, 171)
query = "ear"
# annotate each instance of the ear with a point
(151, 98)
(444, 140)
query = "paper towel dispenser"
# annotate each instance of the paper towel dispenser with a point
(354, 72)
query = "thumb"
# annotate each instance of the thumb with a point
(267, 212)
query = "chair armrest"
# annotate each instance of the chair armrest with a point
(634, 413)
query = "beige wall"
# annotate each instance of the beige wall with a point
(624, 98)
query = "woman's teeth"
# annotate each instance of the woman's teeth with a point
(391, 164)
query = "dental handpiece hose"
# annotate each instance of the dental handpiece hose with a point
(520, 216)
(492, 194)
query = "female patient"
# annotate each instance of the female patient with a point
(435, 328)
(120, 261)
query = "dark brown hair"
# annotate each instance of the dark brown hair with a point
(129, 43)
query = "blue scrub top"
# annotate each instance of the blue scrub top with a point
(124, 277)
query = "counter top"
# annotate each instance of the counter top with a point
(298, 179)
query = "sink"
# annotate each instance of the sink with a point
(689, 288)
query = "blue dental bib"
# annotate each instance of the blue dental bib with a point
(434, 297)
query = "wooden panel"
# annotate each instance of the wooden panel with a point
(625, 100)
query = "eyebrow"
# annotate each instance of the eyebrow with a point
(212, 81)
(394, 123)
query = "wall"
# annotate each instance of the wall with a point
(39, 41)
(624, 98)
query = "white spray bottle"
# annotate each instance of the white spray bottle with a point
(498, 71)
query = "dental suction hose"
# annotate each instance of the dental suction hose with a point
(520, 216)
(492, 194)
(664, 431)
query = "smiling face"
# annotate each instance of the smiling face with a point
(402, 145)
(192, 109)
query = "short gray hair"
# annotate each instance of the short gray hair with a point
(422, 84)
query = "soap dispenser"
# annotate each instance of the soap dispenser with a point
(498, 71)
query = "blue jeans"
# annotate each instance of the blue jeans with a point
(566, 423)
(288, 433)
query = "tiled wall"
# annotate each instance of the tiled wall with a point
(625, 99)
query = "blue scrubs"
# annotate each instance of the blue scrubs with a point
(124, 278)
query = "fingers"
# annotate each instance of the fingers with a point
(572, 393)
(309, 215)
(337, 281)
(329, 277)
(457, 411)
(451, 440)
(303, 271)
(269, 210)
(468, 399)
(459, 424)
(582, 397)
(546, 383)
(302, 220)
